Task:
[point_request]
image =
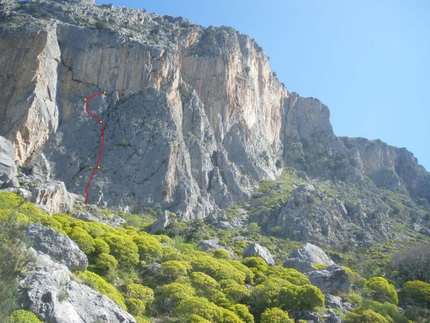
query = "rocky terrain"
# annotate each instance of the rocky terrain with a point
(197, 126)
(195, 118)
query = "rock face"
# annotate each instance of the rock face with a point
(49, 292)
(57, 246)
(8, 170)
(194, 118)
(257, 250)
(304, 258)
(333, 280)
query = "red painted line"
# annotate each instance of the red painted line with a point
(101, 145)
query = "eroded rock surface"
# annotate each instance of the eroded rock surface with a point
(58, 246)
(333, 280)
(304, 258)
(257, 250)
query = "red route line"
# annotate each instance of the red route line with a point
(101, 145)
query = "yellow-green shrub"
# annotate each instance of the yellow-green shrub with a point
(141, 292)
(122, 248)
(22, 316)
(149, 248)
(238, 293)
(381, 290)
(204, 284)
(222, 254)
(364, 316)
(199, 306)
(416, 291)
(174, 269)
(135, 306)
(289, 274)
(84, 241)
(242, 312)
(176, 292)
(305, 297)
(275, 315)
(105, 264)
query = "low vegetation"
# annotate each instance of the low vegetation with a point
(166, 275)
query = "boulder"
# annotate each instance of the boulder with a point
(49, 292)
(8, 170)
(53, 195)
(256, 250)
(333, 280)
(58, 246)
(304, 258)
(333, 301)
(161, 223)
(213, 244)
(333, 318)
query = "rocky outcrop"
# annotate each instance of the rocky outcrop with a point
(304, 258)
(257, 250)
(58, 246)
(8, 170)
(213, 244)
(53, 195)
(333, 280)
(391, 167)
(29, 105)
(50, 293)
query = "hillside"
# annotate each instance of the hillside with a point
(200, 141)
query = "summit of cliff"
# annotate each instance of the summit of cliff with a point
(196, 122)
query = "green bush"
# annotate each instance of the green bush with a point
(218, 269)
(149, 247)
(194, 318)
(199, 306)
(416, 292)
(305, 297)
(141, 292)
(238, 293)
(135, 306)
(275, 315)
(9, 201)
(204, 284)
(22, 316)
(266, 294)
(101, 246)
(389, 311)
(174, 269)
(84, 241)
(122, 248)
(364, 316)
(355, 299)
(98, 283)
(176, 292)
(382, 291)
(105, 264)
(222, 254)
(289, 274)
(242, 312)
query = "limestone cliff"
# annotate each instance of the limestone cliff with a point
(194, 117)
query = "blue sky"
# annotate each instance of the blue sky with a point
(367, 60)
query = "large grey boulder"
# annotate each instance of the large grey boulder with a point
(304, 258)
(333, 280)
(58, 246)
(53, 195)
(257, 250)
(8, 170)
(49, 292)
